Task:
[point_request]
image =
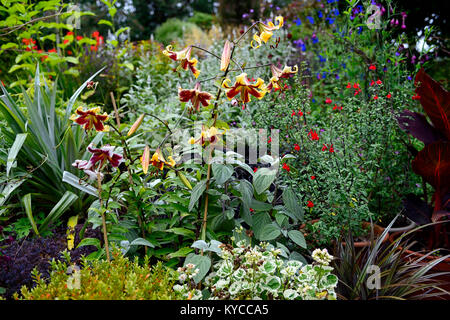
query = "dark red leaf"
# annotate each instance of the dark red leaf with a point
(417, 125)
(435, 100)
(433, 164)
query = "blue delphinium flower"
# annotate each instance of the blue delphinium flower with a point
(321, 58)
(330, 20)
(314, 39)
(310, 19)
(360, 29)
(319, 14)
(336, 12)
(298, 21)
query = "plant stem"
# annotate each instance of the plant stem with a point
(105, 234)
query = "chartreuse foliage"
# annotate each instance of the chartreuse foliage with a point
(121, 279)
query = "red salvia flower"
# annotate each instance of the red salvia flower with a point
(313, 177)
(349, 85)
(286, 167)
(375, 97)
(372, 67)
(313, 135)
(296, 147)
(324, 148)
(328, 101)
(310, 204)
(379, 82)
(416, 97)
(389, 95)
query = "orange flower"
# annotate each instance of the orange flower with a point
(243, 86)
(278, 74)
(90, 118)
(266, 32)
(158, 161)
(185, 57)
(195, 96)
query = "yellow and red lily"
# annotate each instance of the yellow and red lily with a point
(243, 86)
(278, 74)
(90, 119)
(158, 160)
(185, 57)
(266, 32)
(208, 135)
(195, 96)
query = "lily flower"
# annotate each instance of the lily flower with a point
(84, 165)
(90, 118)
(243, 86)
(102, 155)
(210, 135)
(278, 74)
(195, 96)
(185, 57)
(266, 32)
(158, 160)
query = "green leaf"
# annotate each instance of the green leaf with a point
(222, 172)
(197, 191)
(63, 204)
(203, 263)
(298, 238)
(74, 181)
(292, 204)
(121, 30)
(90, 242)
(263, 178)
(12, 154)
(246, 190)
(142, 242)
(26, 200)
(182, 232)
(269, 232)
(183, 252)
(107, 22)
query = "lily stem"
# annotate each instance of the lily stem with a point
(105, 233)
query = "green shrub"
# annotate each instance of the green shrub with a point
(202, 20)
(121, 279)
(173, 29)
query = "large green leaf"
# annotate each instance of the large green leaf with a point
(203, 263)
(292, 204)
(197, 191)
(26, 200)
(263, 178)
(222, 172)
(269, 232)
(298, 238)
(62, 206)
(17, 145)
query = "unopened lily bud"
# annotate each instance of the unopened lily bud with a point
(226, 56)
(145, 159)
(136, 125)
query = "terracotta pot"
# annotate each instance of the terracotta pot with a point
(377, 231)
(443, 266)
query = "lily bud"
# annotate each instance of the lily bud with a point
(145, 159)
(136, 125)
(226, 56)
